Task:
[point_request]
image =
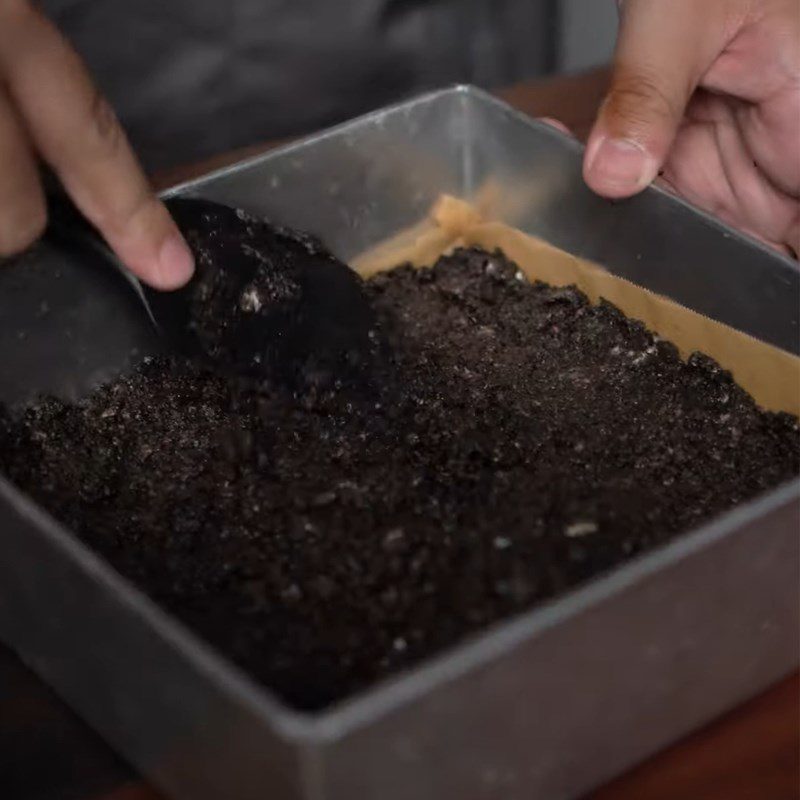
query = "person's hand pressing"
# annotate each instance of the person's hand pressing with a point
(706, 93)
(50, 110)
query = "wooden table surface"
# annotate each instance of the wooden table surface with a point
(752, 753)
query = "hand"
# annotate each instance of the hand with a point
(706, 93)
(49, 109)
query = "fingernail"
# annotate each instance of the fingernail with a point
(175, 262)
(620, 165)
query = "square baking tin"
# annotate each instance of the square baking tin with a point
(546, 705)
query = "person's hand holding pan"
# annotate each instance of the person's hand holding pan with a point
(706, 94)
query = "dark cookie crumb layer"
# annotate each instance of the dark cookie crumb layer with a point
(521, 442)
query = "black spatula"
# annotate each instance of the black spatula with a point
(264, 300)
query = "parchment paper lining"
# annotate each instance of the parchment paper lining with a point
(769, 374)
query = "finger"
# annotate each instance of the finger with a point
(712, 166)
(22, 208)
(77, 133)
(662, 52)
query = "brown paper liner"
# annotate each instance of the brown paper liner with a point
(769, 374)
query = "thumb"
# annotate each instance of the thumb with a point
(663, 50)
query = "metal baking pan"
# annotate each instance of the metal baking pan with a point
(546, 705)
